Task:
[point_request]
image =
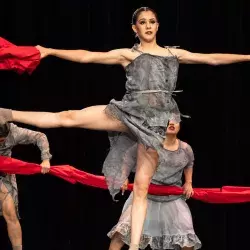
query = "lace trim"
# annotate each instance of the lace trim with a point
(160, 242)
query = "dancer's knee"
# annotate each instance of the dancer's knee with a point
(140, 189)
(10, 217)
(9, 211)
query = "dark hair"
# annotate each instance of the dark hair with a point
(4, 130)
(138, 12)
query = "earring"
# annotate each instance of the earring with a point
(136, 35)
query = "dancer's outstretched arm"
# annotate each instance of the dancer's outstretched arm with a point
(117, 56)
(187, 57)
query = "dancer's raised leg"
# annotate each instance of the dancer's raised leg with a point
(93, 117)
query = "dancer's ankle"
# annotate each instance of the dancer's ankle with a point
(20, 247)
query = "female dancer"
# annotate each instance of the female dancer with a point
(139, 118)
(168, 223)
(10, 136)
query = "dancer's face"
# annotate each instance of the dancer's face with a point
(173, 128)
(146, 26)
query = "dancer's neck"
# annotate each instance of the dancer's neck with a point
(171, 142)
(146, 46)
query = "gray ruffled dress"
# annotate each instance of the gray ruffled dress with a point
(145, 109)
(168, 223)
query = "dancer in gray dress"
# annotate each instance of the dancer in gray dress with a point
(168, 223)
(10, 136)
(140, 118)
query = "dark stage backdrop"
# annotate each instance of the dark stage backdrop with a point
(60, 216)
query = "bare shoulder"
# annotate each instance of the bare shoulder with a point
(128, 56)
(115, 56)
(126, 53)
(166, 51)
(174, 50)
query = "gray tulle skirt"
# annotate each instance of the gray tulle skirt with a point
(168, 225)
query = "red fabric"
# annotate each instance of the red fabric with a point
(226, 194)
(18, 58)
(14, 166)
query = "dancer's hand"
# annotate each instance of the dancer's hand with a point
(188, 190)
(124, 186)
(43, 51)
(45, 166)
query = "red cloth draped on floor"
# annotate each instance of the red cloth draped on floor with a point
(18, 58)
(226, 194)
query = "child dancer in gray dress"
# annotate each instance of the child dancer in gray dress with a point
(10, 136)
(168, 223)
(138, 118)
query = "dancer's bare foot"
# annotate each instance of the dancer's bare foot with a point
(17, 247)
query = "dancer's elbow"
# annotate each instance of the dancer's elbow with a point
(66, 118)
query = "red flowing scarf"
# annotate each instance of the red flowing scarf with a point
(18, 58)
(226, 194)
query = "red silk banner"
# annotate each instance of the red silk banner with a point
(18, 58)
(226, 194)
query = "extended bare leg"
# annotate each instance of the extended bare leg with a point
(10, 216)
(147, 160)
(90, 118)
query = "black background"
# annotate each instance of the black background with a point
(57, 215)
